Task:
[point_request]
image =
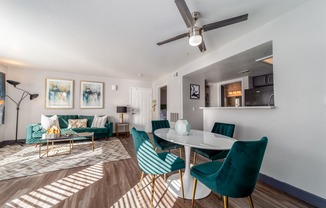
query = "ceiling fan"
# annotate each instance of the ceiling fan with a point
(195, 32)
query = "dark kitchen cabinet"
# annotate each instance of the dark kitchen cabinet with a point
(262, 96)
(264, 80)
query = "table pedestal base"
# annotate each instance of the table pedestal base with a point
(174, 186)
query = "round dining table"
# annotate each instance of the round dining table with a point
(198, 139)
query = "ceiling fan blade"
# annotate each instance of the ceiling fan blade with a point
(202, 46)
(225, 22)
(185, 13)
(173, 39)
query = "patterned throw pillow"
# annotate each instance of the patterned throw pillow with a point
(99, 122)
(48, 122)
(77, 123)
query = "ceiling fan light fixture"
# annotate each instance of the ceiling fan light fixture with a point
(195, 38)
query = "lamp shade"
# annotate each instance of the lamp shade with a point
(121, 109)
(33, 96)
(12, 82)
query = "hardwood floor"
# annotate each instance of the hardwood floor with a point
(115, 184)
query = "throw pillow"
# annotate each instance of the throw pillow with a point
(48, 122)
(99, 121)
(77, 123)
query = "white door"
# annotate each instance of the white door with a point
(141, 108)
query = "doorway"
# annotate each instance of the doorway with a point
(141, 109)
(163, 102)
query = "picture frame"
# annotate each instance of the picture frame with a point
(2, 97)
(194, 91)
(59, 93)
(91, 94)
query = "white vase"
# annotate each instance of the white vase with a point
(182, 127)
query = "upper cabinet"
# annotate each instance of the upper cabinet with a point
(264, 80)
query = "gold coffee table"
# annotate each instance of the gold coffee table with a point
(70, 138)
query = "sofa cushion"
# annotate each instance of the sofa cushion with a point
(88, 129)
(63, 120)
(89, 119)
(37, 127)
(77, 123)
(99, 121)
(48, 122)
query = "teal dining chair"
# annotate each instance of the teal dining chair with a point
(162, 144)
(236, 177)
(153, 163)
(218, 128)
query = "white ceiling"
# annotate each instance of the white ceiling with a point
(117, 38)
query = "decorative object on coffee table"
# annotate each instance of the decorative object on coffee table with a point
(182, 127)
(91, 94)
(23, 96)
(59, 93)
(52, 133)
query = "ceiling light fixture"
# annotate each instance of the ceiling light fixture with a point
(195, 38)
(266, 60)
(244, 71)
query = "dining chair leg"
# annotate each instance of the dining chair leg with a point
(155, 149)
(180, 152)
(194, 193)
(250, 202)
(181, 181)
(153, 185)
(165, 177)
(141, 180)
(194, 161)
(226, 201)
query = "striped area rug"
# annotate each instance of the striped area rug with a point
(20, 161)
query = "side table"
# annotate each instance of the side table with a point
(118, 127)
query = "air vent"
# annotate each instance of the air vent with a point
(174, 117)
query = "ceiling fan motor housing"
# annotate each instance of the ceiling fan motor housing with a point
(196, 15)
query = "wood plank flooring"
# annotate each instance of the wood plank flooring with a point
(115, 184)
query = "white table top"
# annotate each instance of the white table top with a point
(197, 138)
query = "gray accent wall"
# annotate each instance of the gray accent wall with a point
(191, 110)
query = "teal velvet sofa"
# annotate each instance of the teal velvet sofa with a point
(35, 131)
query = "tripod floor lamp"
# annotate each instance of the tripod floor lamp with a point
(24, 95)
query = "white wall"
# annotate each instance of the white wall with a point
(212, 95)
(174, 92)
(297, 127)
(34, 82)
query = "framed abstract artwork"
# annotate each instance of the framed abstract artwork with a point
(91, 94)
(194, 91)
(2, 97)
(59, 93)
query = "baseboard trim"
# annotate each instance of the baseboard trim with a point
(293, 191)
